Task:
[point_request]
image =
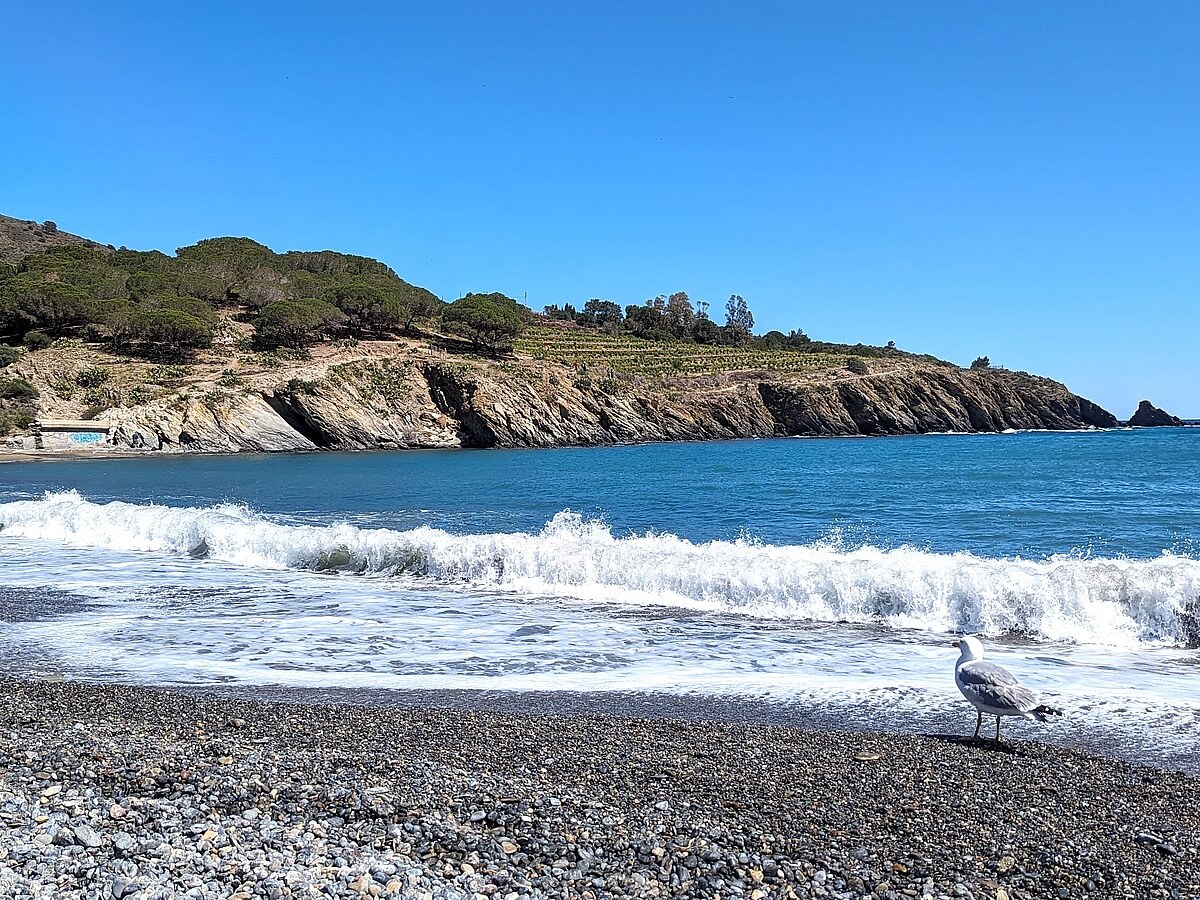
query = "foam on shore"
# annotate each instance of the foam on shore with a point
(1097, 600)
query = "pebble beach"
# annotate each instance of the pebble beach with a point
(122, 792)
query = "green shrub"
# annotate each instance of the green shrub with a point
(168, 374)
(99, 400)
(92, 377)
(63, 389)
(981, 362)
(857, 365)
(229, 378)
(15, 420)
(139, 394)
(17, 389)
(302, 386)
(94, 333)
(38, 340)
(8, 355)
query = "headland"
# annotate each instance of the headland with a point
(228, 346)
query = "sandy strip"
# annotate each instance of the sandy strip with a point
(7, 456)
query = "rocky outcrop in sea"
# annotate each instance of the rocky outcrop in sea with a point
(1149, 416)
(413, 403)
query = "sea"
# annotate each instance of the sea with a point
(820, 579)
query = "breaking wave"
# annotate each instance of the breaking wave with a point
(1112, 601)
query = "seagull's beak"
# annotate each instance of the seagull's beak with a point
(956, 644)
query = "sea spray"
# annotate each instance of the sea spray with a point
(1098, 600)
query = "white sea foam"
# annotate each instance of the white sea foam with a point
(1064, 598)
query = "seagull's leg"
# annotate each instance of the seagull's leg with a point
(978, 722)
(997, 729)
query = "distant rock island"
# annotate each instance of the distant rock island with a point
(228, 346)
(1149, 416)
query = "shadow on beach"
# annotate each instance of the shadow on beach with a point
(1003, 747)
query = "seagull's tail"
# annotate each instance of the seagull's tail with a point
(1042, 712)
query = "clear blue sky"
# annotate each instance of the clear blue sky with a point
(1015, 179)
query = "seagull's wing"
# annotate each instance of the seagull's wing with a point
(994, 686)
(984, 672)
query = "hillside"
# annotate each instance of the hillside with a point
(229, 346)
(381, 395)
(21, 237)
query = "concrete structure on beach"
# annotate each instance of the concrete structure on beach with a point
(70, 434)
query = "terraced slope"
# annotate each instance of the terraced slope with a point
(628, 355)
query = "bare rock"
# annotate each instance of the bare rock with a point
(1150, 416)
(371, 405)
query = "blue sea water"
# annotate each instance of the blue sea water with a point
(828, 573)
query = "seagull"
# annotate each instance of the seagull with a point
(992, 689)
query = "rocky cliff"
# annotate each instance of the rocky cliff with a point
(935, 399)
(374, 404)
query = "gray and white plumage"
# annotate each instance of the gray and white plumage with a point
(992, 689)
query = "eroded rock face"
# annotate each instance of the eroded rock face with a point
(1149, 416)
(420, 404)
(931, 400)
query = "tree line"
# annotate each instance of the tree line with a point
(146, 303)
(675, 318)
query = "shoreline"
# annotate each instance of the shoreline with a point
(7, 456)
(75, 455)
(952, 724)
(122, 791)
